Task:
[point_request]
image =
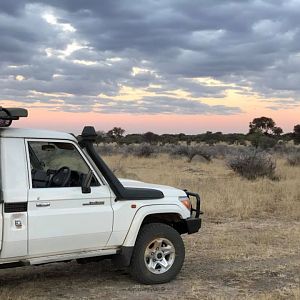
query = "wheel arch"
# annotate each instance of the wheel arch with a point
(167, 214)
(171, 215)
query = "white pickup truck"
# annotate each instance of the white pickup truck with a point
(59, 201)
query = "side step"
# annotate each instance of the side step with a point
(71, 256)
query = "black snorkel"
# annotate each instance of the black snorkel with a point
(86, 140)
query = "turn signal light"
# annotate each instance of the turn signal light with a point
(186, 202)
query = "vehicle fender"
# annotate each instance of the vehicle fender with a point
(145, 211)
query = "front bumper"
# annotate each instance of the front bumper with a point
(193, 223)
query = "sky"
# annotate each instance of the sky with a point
(166, 66)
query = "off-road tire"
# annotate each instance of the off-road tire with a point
(148, 233)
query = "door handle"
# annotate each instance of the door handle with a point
(93, 203)
(43, 204)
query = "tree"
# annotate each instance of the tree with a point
(262, 125)
(116, 133)
(277, 131)
(211, 138)
(150, 137)
(100, 137)
(296, 134)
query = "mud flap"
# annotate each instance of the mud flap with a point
(123, 258)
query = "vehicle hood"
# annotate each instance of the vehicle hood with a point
(168, 191)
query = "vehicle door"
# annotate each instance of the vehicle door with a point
(61, 218)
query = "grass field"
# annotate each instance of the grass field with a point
(224, 194)
(248, 248)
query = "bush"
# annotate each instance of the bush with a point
(144, 150)
(253, 165)
(294, 159)
(190, 152)
(179, 150)
(106, 149)
(127, 149)
(262, 141)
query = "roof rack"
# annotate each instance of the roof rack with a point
(7, 115)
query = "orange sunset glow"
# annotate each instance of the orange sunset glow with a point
(74, 122)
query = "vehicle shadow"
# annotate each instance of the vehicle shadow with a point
(63, 272)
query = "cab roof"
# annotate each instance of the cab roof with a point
(8, 132)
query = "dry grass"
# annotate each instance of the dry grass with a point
(224, 194)
(248, 248)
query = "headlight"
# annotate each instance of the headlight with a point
(186, 202)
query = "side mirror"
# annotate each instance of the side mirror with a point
(86, 183)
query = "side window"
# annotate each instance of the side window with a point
(57, 164)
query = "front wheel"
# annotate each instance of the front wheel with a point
(158, 254)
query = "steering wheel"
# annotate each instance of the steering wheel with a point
(61, 177)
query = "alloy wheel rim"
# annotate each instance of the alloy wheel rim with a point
(159, 255)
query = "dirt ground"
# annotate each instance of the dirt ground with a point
(229, 259)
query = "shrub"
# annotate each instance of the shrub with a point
(127, 149)
(262, 141)
(201, 152)
(190, 152)
(253, 164)
(106, 149)
(144, 150)
(179, 150)
(294, 159)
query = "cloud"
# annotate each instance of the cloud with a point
(163, 105)
(12, 7)
(158, 48)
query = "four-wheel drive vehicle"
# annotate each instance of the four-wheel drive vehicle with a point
(59, 201)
